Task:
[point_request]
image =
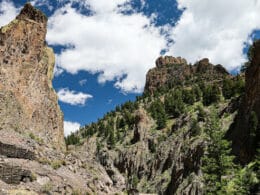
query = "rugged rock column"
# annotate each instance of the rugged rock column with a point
(241, 132)
(28, 102)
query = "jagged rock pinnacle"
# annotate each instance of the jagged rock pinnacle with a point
(166, 60)
(171, 70)
(26, 70)
(30, 12)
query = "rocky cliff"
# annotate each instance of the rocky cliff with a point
(33, 159)
(245, 131)
(170, 71)
(28, 103)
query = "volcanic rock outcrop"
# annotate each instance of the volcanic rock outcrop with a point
(28, 102)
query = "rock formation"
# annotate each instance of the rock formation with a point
(244, 136)
(32, 147)
(170, 71)
(28, 102)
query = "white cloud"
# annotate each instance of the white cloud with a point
(123, 47)
(119, 47)
(70, 127)
(73, 97)
(8, 12)
(215, 29)
(42, 3)
(83, 82)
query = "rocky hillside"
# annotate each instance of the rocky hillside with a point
(171, 140)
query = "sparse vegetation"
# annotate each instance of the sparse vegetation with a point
(57, 164)
(47, 188)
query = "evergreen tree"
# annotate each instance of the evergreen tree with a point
(195, 128)
(228, 88)
(129, 119)
(174, 104)
(211, 94)
(101, 128)
(158, 113)
(72, 139)
(161, 120)
(111, 138)
(201, 113)
(188, 96)
(197, 92)
(217, 164)
(239, 85)
(233, 87)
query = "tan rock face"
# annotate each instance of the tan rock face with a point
(170, 71)
(28, 102)
(166, 60)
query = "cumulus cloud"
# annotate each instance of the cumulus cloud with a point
(215, 29)
(72, 97)
(7, 12)
(119, 47)
(70, 127)
(122, 48)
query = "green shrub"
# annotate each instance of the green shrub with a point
(57, 164)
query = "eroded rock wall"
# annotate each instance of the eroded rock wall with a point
(28, 102)
(243, 134)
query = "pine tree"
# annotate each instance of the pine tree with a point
(195, 128)
(197, 92)
(111, 138)
(101, 128)
(174, 105)
(72, 139)
(211, 94)
(158, 113)
(188, 96)
(228, 88)
(217, 164)
(201, 113)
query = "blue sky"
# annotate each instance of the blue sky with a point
(105, 47)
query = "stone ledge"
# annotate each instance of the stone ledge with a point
(13, 145)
